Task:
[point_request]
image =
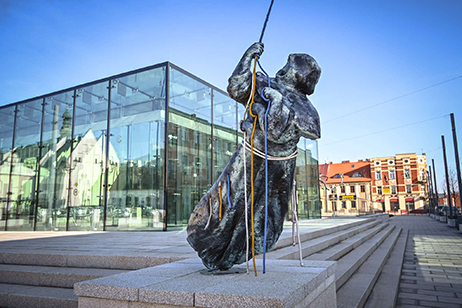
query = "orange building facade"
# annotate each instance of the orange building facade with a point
(399, 183)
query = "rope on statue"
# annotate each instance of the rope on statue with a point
(295, 220)
(266, 162)
(245, 177)
(255, 117)
(252, 191)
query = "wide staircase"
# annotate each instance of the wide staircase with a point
(369, 254)
(369, 257)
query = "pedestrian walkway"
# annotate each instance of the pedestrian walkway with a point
(432, 269)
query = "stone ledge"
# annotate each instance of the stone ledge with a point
(285, 284)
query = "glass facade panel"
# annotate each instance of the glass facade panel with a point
(136, 152)
(189, 146)
(301, 178)
(55, 162)
(89, 158)
(24, 175)
(312, 165)
(224, 131)
(6, 142)
(240, 134)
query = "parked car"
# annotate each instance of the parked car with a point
(439, 210)
(445, 210)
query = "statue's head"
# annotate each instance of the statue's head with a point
(301, 72)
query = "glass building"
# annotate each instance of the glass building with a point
(135, 151)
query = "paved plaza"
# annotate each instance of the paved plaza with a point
(432, 269)
(154, 244)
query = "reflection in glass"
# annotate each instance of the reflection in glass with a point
(312, 166)
(55, 162)
(224, 131)
(189, 146)
(6, 140)
(88, 158)
(240, 114)
(137, 137)
(24, 175)
(303, 209)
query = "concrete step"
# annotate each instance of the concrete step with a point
(312, 246)
(385, 292)
(66, 259)
(341, 249)
(356, 290)
(19, 296)
(347, 265)
(306, 234)
(47, 276)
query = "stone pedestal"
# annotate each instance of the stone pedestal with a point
(180, 284)
(452, 223)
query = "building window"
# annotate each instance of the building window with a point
(337, 176)
(422, 174)
(422, 187)
(378, 175)
(184, 134)
(391, 162)
(343, 204)
(363, 188)
(353, 204)
(334, 205)
(342, 189)
(407, 173)
(408, 189)
(393, 189)
(334, 189)
(406, 160)
(357, 175)
(352, 189)
(379, 190)
(377, 163)
(391, 174)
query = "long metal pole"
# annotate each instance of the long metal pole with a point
(266, 21)
(456, 154)
(430, 186)
(435, 183)
(447, 177)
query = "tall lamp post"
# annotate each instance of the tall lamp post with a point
(451, 221)
(456, 154)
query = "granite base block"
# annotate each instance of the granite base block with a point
(180, 284)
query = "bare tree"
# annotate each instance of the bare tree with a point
(453, 186)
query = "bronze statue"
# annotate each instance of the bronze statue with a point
(221, 243)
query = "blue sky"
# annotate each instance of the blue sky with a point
(369, 51)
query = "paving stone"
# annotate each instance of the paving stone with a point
(449, 300)
(437, 293)
(437, 304)
(407, 301)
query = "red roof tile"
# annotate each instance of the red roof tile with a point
(347, 169)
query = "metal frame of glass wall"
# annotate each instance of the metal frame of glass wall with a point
(134, 151)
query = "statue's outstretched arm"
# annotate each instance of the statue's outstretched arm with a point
(240, 82)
